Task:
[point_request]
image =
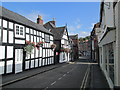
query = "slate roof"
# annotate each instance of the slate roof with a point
(73, 36)
(46, 25)
(58, 32)
(5, 13)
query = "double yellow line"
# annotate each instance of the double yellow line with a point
(85, 79)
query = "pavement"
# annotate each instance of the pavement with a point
(97, 79)
(73, 75)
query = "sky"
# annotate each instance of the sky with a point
(78, 16)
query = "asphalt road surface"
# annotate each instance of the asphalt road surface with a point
(72, 75)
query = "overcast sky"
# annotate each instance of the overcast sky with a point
(79, 16)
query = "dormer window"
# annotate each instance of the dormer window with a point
(19, 31)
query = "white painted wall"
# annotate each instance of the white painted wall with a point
(31, 31)
(10, 37)
(42, 35)
(19, 41)
(9, 66)
(4, 36)
(31, 38)
(34, 32)
(62, 41)
(109, 14)
(36, 52)
(5, 23)
(32, 55)
(2, 65)
(40, 61)
(38, 39)
(43, 62)
(10, 25)
(26, 64)
(65, 37)
(2, 52)
(61, 57)
(35, 39)
(27, 37)
(36, 62)
(51, 37)
(32, 63)
(9, 51)
(27, 30)
(43, 53)
(40, 54)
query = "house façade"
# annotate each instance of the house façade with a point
(15, 33)
(61, 40)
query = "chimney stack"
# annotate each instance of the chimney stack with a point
(39, 20)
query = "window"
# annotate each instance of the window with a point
(19, 31)
(47, 39)
(111, 61)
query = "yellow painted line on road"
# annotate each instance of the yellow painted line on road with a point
(84, 82)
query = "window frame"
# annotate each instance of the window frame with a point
(18, 32)
(47, 38)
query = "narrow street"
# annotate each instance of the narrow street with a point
(72, 75)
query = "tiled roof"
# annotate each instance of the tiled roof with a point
(21, 19)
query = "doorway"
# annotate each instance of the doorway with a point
(18, 60)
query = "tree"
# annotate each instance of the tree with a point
(84, 39)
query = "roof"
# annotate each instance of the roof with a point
(73, 36)
(50, 23)
(5, 13)
(97, 25)
(58, 32)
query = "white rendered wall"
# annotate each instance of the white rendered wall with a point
(4, 23)
(9, 66)
(5, 36)
(19, 41)
(10, 37)
(2, 65)
(2, 52)
(10, 25)
(9, 51)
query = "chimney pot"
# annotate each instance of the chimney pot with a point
(39, 20)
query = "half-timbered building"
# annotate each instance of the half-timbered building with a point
(15, 30)
(61, 39)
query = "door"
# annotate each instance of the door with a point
(18, 60)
